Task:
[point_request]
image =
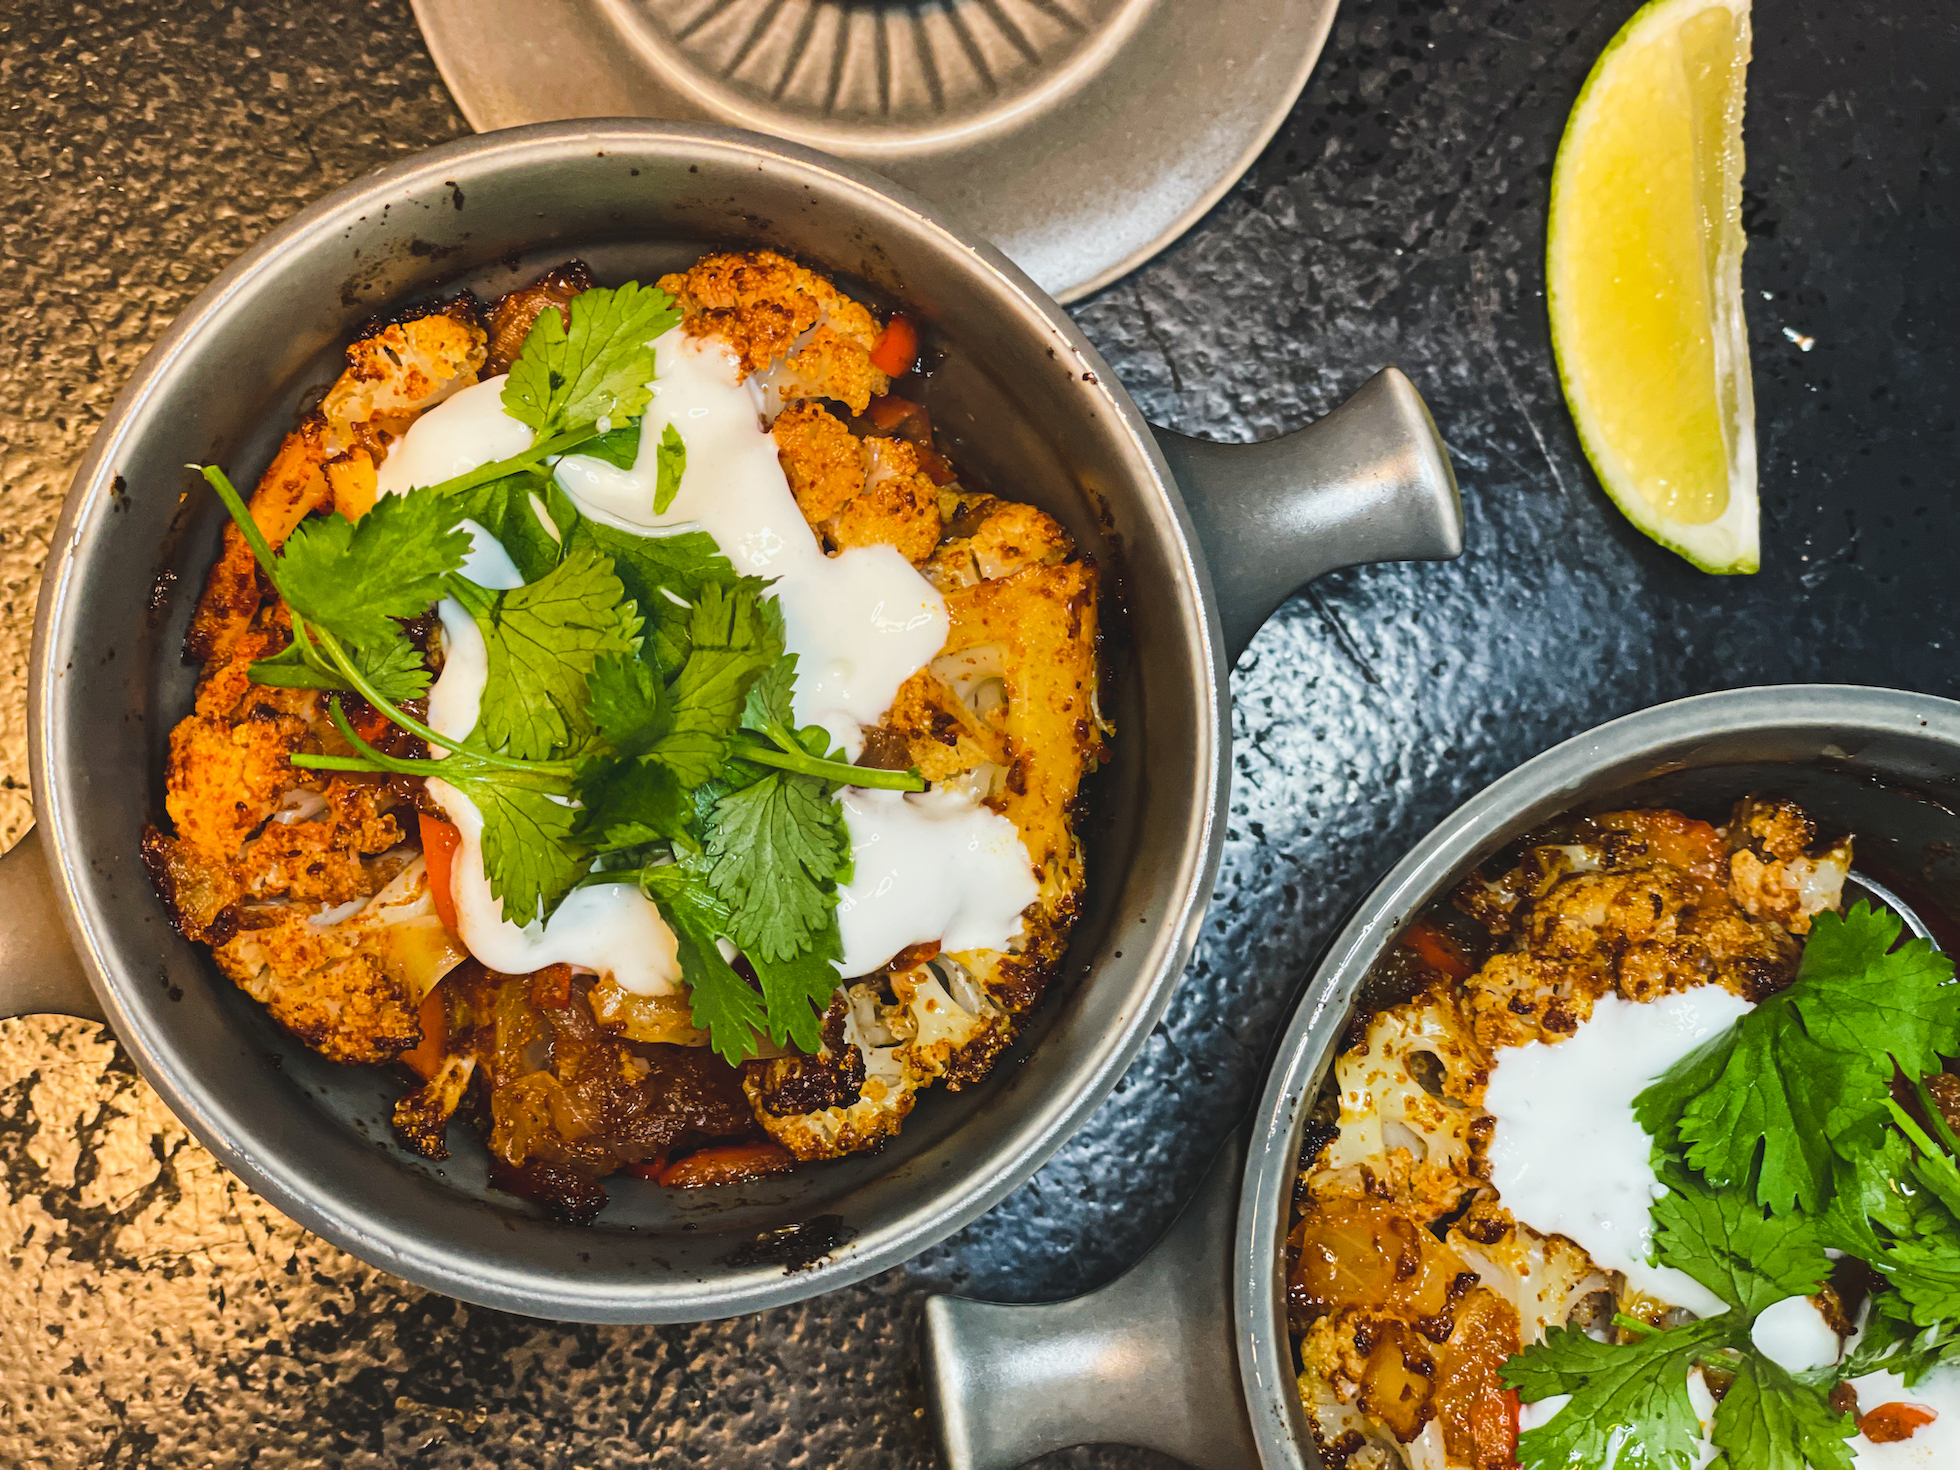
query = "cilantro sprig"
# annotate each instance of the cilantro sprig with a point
(636, 720)
(1802, 1081)
(1627, 1398)
(1752, 1214)
(600, 367)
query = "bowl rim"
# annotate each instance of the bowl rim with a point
(1551, 781)
(88, 912)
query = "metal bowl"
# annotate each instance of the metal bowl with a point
(1149, 1359)
(1028, 406)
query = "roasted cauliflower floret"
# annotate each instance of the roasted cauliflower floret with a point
(804, 336)
(391, 377)
(851, 1096)
(898, 506)
(1545, 1279)
(224, 781)
(1779, 871)
(991, 538)
(857, 492)
(821, 458)
(944, 735)
(422, 1117)
(941, 1016)
(1640, 906)
(402, 371)
(1386, 1107)
(264, 856)
(877, 1053)
(349, 988)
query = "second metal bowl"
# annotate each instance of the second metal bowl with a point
(1150, 1358)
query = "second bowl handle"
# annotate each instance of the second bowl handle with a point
(1150, 1359)
(1370, 482)
(39, 971)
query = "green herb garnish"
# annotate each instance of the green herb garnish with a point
(1777, 1141)
(635, 723)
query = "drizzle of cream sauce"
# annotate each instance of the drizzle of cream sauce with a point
(1569, 1158)
(465, 431)
(860, 623)
(608, 928)
(932, 866)
(1793, 1335)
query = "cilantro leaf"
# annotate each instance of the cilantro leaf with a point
(354, 578)
(1659, 1108)
(769, 709)
(724, 1004)
(670, 463)
(1866, 1200)
(1723, 1240)
(629, 803)
(1933, 1167)
(776, 848)
(618, 447)
(528, 852)
(1630, 1406)
(1855, 981)
(681, 560)
(543, 639)
(395, 668)
(1769, 1421)
(1772, 1099)
(797, 991)
(1891, 1342)
(514, 510)
(1884, 1211)
(735, 635)
(1805, 1077)
(598, 368)
(1925, 1271)
(663, 576)
(626, 704)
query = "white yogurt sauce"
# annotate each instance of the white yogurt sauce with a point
(1931, 1445)
(1793, 1334)
(458, 690)
(930, 867)
(935, 865)
(860, 623)
(1568, 1156)
(463, 432)
(609, 928)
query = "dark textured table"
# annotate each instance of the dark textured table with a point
(153, 1312)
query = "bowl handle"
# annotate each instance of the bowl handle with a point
(38, 967)
(1370, 482)
(1150, 1359)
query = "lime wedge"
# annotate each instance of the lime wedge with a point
(1644, 279)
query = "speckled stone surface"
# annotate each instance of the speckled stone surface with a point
(153, 1312)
